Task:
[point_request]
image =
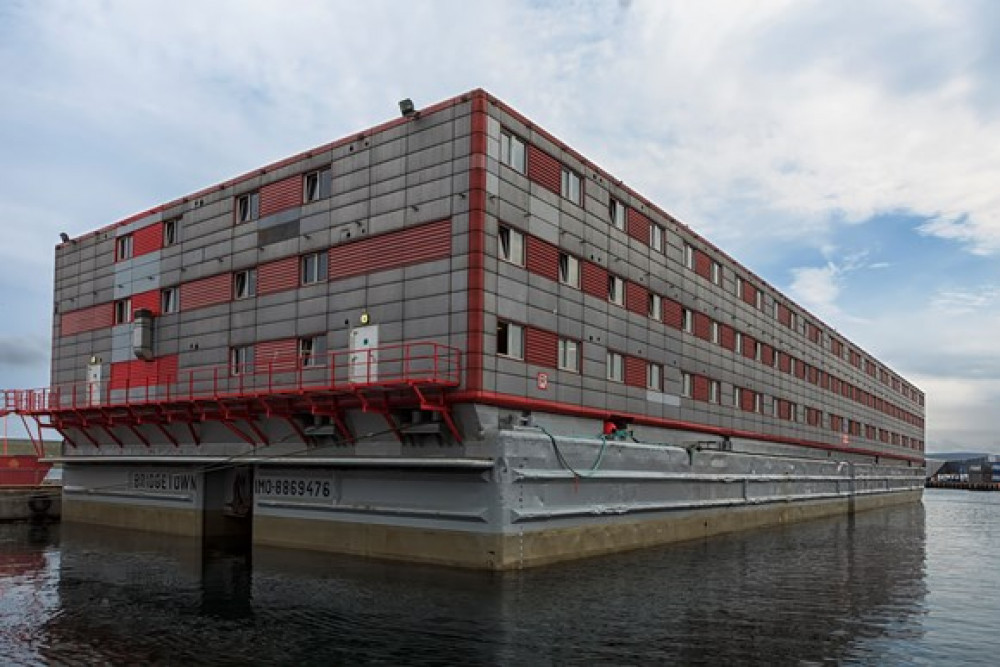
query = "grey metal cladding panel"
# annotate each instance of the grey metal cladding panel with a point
(435, 284)
(428, 211)
(418, 328)
(436, 305)
(389, 177)
(388, 202)
(283, 313)
(348, 212)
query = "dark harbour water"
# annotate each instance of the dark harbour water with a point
(909, 585)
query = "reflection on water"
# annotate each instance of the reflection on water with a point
(857, 590)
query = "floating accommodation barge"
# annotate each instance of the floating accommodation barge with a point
(453, 339)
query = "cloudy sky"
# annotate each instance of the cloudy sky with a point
(848, 152)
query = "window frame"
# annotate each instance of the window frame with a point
(654, 306)
(508, 140)
(510, 332)
(571, 185)
(170, 300)
(571, 264)
(318, 274)
(171, 232)
(240, 359)
(124, 247)
(514, 245)
(657, 237)
(251, 284)
(687, 385)
(616, 290)
(316, 178)
(614, 367)
(716, 273)
(309, 351)
(122, 311)
(687, 320)
(568, 347)
(247, 207)
(715, 392)
(617, 214)
(654, 376)
(689, 256)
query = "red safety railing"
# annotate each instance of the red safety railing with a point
(422, 364)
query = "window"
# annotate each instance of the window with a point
(510, 340)
(654, 376)
(714, 392)
(655, 307)
(739, 342)
(616, 367)
(715, 332)
(716, 273)
(123, 311)
(313, 268)
(687, 320)
(739, 287)
(244, 284)
(316, 185)
(656, 237)
(688, 256)
(123, 247)
(616, 211)
(511, 245)
(512, 152)
(569, 355)
(686, 385)
(240, 359)
(571, 185)
(311, 351)
(169, 300)
(247, 207)
(616, 290)
(758, 300)
(758, 351)
(569, 270)
(170, 229)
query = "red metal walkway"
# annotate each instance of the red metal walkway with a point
(415, 375)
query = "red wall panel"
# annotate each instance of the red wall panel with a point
(702, 265)
(635, 371)
(147, 239)
(139, 373)
(727, 336)
(699, 387)
(766, 354)
(673, 314)
(637, 225)
(749, 294)
(413, 245)
(544, 169)
(636, 298)
(206, 291)
(749, 347)
(86, 319)
(784, 315)
(541, 347)
(276, 276)
(747, 400)
(280, 195)
(595, 280)
(149, 300)
(784, 362)
(276, 354)
(702, 326)
(543, 258)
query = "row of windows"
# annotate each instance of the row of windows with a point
(312, 269)
(701, 388)
(510, 343)
(316, 185)
(125, 244)
(512, 250)
(310, 353)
